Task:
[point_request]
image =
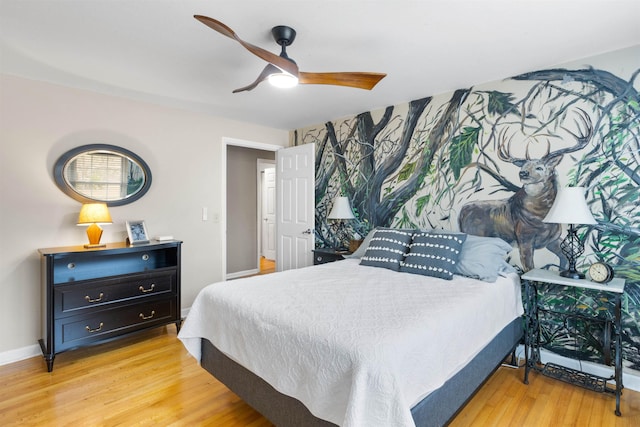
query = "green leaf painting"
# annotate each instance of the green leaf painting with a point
(500, 103)
(461, 149)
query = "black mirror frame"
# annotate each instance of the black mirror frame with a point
(58, 173)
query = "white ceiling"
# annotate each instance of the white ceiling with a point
(154, 50)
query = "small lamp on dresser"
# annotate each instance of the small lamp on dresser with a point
(94, 214)
(570, 207)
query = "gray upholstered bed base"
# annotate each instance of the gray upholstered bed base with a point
(434, 410)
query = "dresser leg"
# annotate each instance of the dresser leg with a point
(48, 357)
(49, 360)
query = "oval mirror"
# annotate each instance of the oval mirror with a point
(102, 173)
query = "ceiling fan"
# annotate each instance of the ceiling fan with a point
(282, 71)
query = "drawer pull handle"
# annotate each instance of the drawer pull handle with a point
(144, 291)
(143, 317)
(98, 329)
(88, 298)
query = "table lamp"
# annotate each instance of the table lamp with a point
(341, 211)
(570, 207)
(94, 214)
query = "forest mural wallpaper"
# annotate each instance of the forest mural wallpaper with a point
(488, 160)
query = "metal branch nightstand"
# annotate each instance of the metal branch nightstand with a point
(536, 279)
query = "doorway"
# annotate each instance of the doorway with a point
(266, 211)
(239, 222)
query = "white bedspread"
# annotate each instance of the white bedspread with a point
(359, 346)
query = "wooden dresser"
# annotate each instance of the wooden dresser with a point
(94, 295)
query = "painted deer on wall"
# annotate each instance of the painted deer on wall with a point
(518, 220)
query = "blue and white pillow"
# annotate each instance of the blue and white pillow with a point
(387, 248)
(434, 254)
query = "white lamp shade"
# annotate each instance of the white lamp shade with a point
(341, 209)
(570, 207)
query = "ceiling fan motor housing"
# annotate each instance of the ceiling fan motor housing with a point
(283, 35)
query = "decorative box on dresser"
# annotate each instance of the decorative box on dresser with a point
(94, 295)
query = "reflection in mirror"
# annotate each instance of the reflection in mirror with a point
(103, 173)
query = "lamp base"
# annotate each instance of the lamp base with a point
(97, 245)
(569, 274)
(94, 232)
(572, 247)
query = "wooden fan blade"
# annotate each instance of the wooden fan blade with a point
(271, 58)
(268, 70)
(357, 80)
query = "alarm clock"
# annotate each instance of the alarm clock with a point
(601, 272)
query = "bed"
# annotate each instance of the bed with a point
(351, 344)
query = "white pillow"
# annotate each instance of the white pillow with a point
(483, 258)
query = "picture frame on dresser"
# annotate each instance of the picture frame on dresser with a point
(137, 232)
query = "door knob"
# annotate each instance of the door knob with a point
(307, 231)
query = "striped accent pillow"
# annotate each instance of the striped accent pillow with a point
(434, 254)
(387, 248)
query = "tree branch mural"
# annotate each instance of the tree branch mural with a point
(418, 164)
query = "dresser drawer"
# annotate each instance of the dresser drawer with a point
(77, 266)
(79, 330)
(74, 298)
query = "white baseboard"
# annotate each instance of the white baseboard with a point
(630, 380)
(19, 354)
(239, 274)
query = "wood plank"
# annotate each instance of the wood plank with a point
(149, 379)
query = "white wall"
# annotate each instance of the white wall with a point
(41, 121)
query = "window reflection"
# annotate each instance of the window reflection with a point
(104, 176)
(102, 173)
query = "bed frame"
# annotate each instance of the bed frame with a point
(437, 409)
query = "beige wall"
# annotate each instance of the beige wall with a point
(39, 122)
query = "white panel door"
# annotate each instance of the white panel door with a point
(295, 206)
(269, 214)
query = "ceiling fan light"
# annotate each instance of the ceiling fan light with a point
(283, 80)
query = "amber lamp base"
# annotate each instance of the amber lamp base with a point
(94, 233)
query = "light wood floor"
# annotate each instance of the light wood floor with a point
(150, 380)
(267, 265)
